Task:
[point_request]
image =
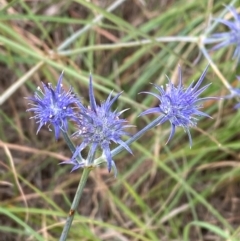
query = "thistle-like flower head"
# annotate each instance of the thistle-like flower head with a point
(98, 126)
(232, 36)
(178, 105)
(53, 106)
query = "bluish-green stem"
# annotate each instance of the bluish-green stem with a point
(79, 191)
(135, 137)
(69, 142)
(71, 145)
(152, 124)
(75, 203)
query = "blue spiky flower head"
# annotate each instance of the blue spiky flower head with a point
(231, 37)
(98, 126)
(53, 106)
(178, 105)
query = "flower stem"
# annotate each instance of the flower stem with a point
(80, 188)
(137, 135)
(75, 204)
(71, 146)
(118, 149)
(69, 142)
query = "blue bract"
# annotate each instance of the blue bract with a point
(98, 126)
(179, 105)
(231, 37)
(53, 106)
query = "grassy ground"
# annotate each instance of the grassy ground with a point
(162, 192)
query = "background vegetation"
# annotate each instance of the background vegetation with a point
(163, 192)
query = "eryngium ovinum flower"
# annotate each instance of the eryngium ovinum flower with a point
(53, 106)
(178, 105)
(231, 37)
(98, 126)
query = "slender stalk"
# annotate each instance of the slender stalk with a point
(71, 146)
(69, 142)
(152, 124)
(118, 149)
(80, 188)
(75, 203)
